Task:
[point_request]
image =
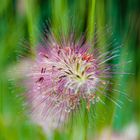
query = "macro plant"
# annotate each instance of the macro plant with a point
(64, 75)
(69, 69)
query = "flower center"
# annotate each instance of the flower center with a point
(77, 67)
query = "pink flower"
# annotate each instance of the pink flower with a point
(63, 75)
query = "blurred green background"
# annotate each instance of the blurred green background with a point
(21, 20)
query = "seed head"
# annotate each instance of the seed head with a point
(63, 75)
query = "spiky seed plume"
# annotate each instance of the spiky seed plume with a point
(62, 75)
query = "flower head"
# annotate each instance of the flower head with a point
(63, 75)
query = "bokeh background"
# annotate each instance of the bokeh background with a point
(21, 21)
